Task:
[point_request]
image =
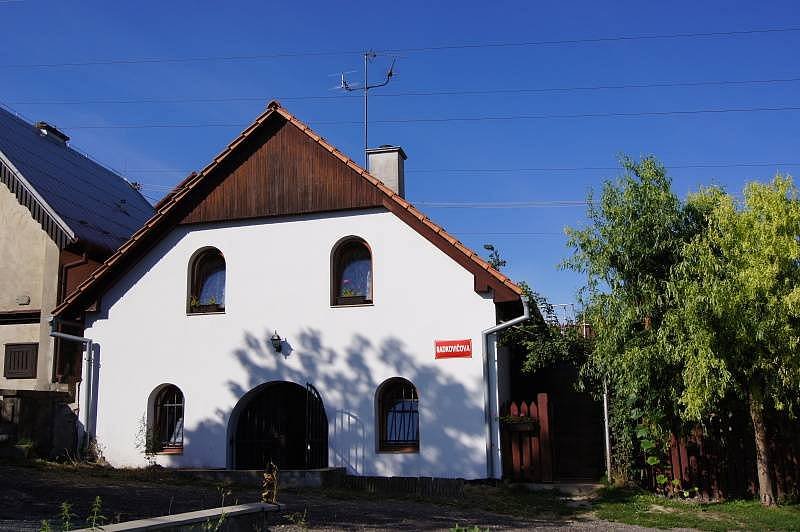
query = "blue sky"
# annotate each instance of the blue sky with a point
(451, 161)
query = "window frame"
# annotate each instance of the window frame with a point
(193, 283)
(30, 349)
(336, 271)
(156, 443)
(381, 415)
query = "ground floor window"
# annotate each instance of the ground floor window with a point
(398, 416)
(167, 421)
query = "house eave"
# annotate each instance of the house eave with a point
(41, 211)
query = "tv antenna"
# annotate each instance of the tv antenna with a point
(369, 55)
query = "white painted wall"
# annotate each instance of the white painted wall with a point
(278, 275)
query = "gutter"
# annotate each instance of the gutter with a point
(491, 398)
(88, 365)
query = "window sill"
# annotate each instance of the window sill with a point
(399, 450)
(346, 305)
(207, 313)
(173, 451)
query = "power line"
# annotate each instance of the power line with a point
(417, 93)
(418, 49)
(478, 171)
(590, 168)
(463, 119)
(501, 204)
(595, 40)
(513, 234)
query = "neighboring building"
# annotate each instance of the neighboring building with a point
(283, 304)
(61, 215)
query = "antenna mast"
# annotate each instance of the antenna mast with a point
(369, 55)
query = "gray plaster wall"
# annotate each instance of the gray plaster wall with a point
(28, 269)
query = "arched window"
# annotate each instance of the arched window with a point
(351, 273)
(166, 426)
(207, 282)
(398, 416)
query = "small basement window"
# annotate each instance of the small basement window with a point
(21, 361)
(398, 416)
(351, 273)
(206, 282)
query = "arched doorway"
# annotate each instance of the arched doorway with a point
(280, 422)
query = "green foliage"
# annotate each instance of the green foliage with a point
(495, 259)
(736, 322)
(146, 441)
(66, 516)
(96, 518)
(695, 305)
(634, 238)
(45, 526)
(643, 509)
(544, 339)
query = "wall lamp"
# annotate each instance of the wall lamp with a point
(277, 342)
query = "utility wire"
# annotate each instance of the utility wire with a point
(417, 93)
(402, 50)
(477, 171)
(463, 119)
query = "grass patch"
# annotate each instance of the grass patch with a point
(644, 509)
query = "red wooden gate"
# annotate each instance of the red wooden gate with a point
(525, 440)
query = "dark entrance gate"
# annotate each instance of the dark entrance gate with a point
(283, 423)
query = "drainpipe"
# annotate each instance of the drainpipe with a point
(490, 405)
(85, 412)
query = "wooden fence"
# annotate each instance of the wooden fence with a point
(526, 444)
(720, 461)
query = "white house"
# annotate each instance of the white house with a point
(284, 304)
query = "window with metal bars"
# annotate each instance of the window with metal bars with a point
(398, 416)
(167, 426)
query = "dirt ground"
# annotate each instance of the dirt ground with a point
(29, 495)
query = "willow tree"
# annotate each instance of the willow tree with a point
(735, 321)
(637, 229)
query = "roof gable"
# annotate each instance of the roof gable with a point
(279, 170)
(288, 162)
(72, 196)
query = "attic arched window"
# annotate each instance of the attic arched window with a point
(206, 282)
(351, 270)
(166, 420)
(397, 411)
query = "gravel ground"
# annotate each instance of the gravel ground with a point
(29, 495)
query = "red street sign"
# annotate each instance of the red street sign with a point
(453, 348)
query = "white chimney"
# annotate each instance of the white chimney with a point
(386, 163)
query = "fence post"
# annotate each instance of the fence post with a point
(544, 437)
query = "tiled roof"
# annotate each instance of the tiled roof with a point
(97, 205)
(117, 262)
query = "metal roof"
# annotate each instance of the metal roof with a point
(72, 196)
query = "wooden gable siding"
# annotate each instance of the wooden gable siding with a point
(282, 171)
(74, 268)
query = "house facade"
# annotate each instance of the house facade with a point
(284, 305)
(61, 215)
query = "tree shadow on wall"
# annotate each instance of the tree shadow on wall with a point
(452, 426)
